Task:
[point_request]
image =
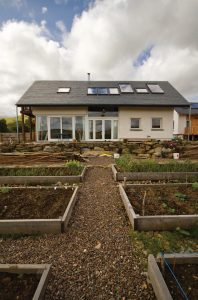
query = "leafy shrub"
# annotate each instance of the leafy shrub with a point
(74, 167)
(128, 164)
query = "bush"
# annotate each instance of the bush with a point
(74, 167)
(127, 164)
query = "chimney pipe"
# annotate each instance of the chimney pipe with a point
(89, 76)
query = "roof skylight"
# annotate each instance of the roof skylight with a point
(114, 91)
(92, 91)
(102, 91)
(155, 88)
(141, 91)
(125, 88)
(64, 90)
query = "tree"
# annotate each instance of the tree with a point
(3, 125)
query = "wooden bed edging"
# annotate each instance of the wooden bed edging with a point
(159, 222)
(43, 269)
(133, 176)
(37, 226)
(159, 285)
(42, 179)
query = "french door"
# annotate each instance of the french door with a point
(61, 128)
(103, 129)
(66, 128)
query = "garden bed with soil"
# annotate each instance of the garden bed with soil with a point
(162, 271)
(41, 175)
(23, 281)
(163, 199)
(161, 207)
(33, 210)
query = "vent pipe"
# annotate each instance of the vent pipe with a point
(89, 76)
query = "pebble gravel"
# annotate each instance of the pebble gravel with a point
(95, 258)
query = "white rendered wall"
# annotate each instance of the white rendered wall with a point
(146, 115)
(180, 123)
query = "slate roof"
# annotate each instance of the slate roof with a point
(44, 93)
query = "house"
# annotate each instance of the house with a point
(186, 121)
(101, 110)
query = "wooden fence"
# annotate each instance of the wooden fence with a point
(12, 137)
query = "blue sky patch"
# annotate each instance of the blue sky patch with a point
(143, 57)
(37, 10)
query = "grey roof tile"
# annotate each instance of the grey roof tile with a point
(44, 93)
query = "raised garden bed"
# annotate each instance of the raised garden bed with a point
(25, 282)
(184, 267)
(31, 210)
(155, 176)
(160, 207)
(41, 175)
(135, 170)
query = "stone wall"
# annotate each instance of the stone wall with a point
(143, 149)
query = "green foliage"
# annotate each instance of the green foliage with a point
(4, 189)
(71, 168)
(155, 242)
(195, 185)
(181, 196)
(74, 167)
(128, 164)
(3, 125)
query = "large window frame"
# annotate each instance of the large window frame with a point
(74, 132)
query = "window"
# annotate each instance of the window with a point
(42, 128)
(102, 91)
(92, 91)
(125, 88)
(114, 91)
(141, 91)
(155, 88)
(156, 123)
(64, 90)
(102, 111)
(135, 123)
(79, 128)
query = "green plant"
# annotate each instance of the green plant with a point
(181, 196)
(195, 185)
(71, 168)
(155, 242)
(128, 164)
(4, 189)
(74, 167)
(171, 210)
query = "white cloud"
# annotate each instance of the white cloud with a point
(105, 40)
(15, 3)
(44, 9)
(33, 57)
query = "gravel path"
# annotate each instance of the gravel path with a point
(95, 258)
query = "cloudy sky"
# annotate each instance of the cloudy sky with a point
(112, 39)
